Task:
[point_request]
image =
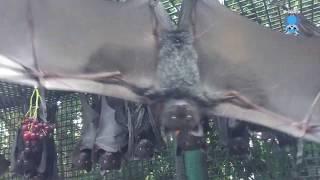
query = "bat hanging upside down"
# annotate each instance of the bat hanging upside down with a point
(214, 62)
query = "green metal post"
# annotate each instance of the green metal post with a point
(195, 165)
(179, 163)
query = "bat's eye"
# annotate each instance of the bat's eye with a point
(289, 27)
(173, 117)
(189, 116)
(294, 28)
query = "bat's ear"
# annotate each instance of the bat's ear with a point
(186, 16)
(162, 21)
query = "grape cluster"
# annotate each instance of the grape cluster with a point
(34, 131)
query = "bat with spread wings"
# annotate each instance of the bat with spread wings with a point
(215, 62)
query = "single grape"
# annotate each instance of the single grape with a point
(51, 128)
(30, 119)
(24, 127)
(34, 123)
(27, 136)
(33, 136)
(47, 128)
(40, 125)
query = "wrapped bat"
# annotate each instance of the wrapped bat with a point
(35, 156)
(106, 133)
(82, 154)
(215, 62)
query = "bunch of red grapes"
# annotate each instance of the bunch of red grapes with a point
(34, 131)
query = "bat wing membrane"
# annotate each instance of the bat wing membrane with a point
(274, 70)
(83, 37)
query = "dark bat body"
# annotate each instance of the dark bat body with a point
(216, 60)
(234, 135)
(35, 159)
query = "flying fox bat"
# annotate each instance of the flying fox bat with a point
(215, 62)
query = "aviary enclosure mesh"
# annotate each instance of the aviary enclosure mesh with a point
(265, 161)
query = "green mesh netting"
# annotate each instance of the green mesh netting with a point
(266, 160)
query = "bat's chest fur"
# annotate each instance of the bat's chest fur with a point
(178, 61)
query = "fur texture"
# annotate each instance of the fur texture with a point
(178, 61)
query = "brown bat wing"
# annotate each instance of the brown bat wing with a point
(275, 71)
(84, 38)
(15, 41)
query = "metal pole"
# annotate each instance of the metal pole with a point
(195, 165)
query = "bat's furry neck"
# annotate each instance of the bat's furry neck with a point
(178, 61)
(193, 94)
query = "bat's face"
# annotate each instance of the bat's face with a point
(83, 161)
(180, 114)
(144, 149)
(110, 161)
